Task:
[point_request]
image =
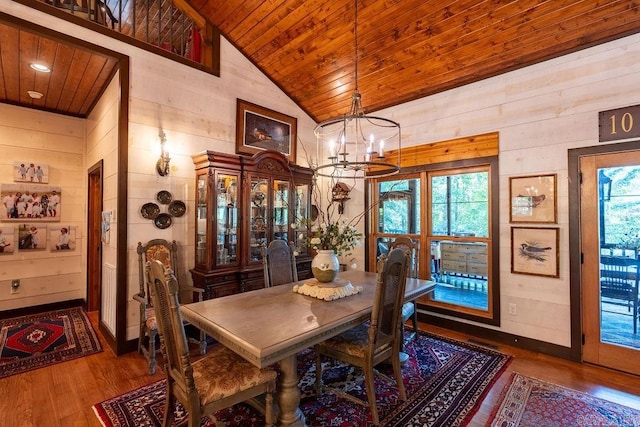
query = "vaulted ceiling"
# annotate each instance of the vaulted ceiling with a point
(406, 49)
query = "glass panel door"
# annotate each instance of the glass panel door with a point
(610, 238)
(281, 208)
(226, 224)
(302, 217)
(201, 220)
(258, 218)
(460, 246)
(619, 210)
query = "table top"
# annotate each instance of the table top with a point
(266, 325)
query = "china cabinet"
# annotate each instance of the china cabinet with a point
(242, 204)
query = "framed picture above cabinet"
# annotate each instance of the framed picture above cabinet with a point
(259, 129)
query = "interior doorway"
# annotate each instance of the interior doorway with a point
(610, 233)
(94, 236)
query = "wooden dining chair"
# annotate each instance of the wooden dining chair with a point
(165, 252)
(218, 380)
(279, 264)
(412, 249)
(370, 344)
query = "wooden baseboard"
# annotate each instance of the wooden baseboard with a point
(25, 311)
(498, 336)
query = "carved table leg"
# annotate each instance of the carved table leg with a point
(289, 394)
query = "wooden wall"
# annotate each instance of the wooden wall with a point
(46, 276)
(540, 112)
(102, 143)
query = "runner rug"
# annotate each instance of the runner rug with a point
(527, 401)
(39, 340)
(446, 381)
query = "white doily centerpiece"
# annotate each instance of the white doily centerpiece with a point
(336, 289)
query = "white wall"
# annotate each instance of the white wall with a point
(197, 112)
(58, 141)
(102, 144)
(540, 112)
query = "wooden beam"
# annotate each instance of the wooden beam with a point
(469, 147)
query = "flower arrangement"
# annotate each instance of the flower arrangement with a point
(339, 236)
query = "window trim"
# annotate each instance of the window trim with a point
(423, 172)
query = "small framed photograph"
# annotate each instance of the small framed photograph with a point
(27, 171)
(533, 199)
(7, 240)
(534, 251)
(32, 237)
(62, 238)
(259, 129)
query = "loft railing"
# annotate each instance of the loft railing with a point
(173, 26)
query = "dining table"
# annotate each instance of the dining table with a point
(271, 325)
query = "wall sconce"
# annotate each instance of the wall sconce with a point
(162, 165)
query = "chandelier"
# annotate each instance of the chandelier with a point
(357, 145)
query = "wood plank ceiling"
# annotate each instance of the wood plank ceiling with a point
(76, 80)
(406, 49)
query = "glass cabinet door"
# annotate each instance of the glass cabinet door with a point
(258, 217)
(226, 218)
(281, 206)
(201, 220)
(301, 217)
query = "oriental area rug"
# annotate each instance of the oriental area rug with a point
(445, 380)
(527, 401)
(39, 340)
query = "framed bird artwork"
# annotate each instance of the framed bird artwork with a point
(533, 199)
(534, 251)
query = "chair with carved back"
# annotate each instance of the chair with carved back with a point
(279, 264)
(167, 254)
(412, 249)
(218, 380)
(619, 283)
(374, 342)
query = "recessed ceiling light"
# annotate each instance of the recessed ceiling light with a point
(34, 94)
(40, 67)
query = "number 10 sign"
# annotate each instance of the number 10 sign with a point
(621, 123)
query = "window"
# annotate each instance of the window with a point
(450, 213)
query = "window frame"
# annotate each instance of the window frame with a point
(424, 173)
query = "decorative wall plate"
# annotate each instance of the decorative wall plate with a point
(177, 208)
(257, 198)
(257, 223)
(163, 221)
(150, 210)
(164, 197)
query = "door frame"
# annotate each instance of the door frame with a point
(94, 236)
(575, 249)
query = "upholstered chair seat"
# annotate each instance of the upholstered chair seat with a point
(218, 380)
(369, 344)
(223, 373)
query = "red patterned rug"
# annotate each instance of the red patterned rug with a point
(38, 340)
(527, 401)
(446, 381)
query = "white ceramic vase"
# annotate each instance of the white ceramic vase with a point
(325, 266)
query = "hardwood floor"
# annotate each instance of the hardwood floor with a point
(62, 395)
